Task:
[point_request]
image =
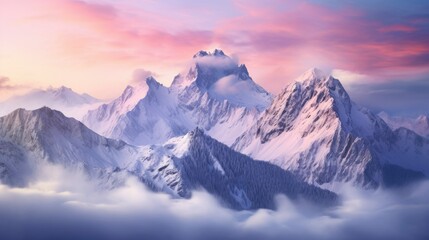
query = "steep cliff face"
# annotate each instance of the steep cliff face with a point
(313, 129)
(30, 139)
(219, 95)
(46, 135)
(103, 119)
(214, 93)
(156, 118)
(196, 161)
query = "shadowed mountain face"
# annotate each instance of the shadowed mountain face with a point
(310, 134)
(47, 136)
(214, 93)
(177, 167)
(239, 180)
(313, 129)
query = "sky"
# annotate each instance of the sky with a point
(378, 49)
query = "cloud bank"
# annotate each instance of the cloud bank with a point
(63, 205)
(404, 98)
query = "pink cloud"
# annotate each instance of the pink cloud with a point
(95, 33)
(276, 39)
(340, 38)
(301, 34)
(397, 28)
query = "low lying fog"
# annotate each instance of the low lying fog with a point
(61, 205)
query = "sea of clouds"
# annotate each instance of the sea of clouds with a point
(62, 204)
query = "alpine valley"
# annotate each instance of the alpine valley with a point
(215, 129)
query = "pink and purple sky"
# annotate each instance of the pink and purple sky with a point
(379, 49)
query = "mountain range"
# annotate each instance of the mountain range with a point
(215, 129)
(179, 166)
(419, 125)
(214, 93)
(63, 99)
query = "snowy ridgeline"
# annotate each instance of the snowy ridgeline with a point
(419, 125)
(310, 133)
(314, 130)
(183, 164)
(63, 99)
(214, 93)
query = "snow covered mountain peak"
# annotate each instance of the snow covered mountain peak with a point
(328, 89)
(216, 52)
(60, 90)
(205, 69)
(180, 146)
(43, 112)
(63, 98)
(208, 68)
(141, 86)
(316, 100)
(186, 139)
(197, 132)
(35, 118)
(152, 82)
(243, 73)
(214, 92)
(103, 119)
(41, 121)
(220, 78)
(312, 74)
(52, 136)
(68, 96)
(420, 125)
(423, 119)
(200, 53)
(314, 129)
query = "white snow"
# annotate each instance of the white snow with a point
(63, 99)
(420, 125)
(313, 129)
(239, 92)
(213, 93)
(179, 146)
(104, 119)
(311, 74)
